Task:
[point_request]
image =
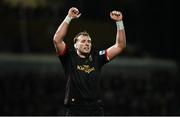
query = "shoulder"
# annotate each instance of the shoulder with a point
(68, 53)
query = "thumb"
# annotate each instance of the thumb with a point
(78, 15)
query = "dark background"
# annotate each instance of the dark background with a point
(143, 80)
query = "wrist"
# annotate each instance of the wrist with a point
(68, 19)
(120, 25)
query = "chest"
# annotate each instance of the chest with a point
(86, 65)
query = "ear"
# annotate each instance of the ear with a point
(75, 46)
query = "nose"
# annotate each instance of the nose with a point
(87, 44)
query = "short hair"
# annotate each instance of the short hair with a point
(84, 33)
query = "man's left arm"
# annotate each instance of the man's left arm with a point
(120, 43)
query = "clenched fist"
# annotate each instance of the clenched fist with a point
(74, 13)
(116, 15)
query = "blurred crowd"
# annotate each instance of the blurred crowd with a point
(42, 93)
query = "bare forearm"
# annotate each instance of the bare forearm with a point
(120, 36)
(61, 31)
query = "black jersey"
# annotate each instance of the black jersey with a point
(83, 76)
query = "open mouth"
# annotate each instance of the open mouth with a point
(87, 48)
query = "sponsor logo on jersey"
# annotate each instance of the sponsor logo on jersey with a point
(85, 68)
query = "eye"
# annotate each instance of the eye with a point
(83, 41)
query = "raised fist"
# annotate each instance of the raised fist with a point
(74, 13)
(116, 15)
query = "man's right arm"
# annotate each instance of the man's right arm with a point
(62, 30)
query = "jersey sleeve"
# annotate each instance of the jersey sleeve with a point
(63, 52)
(102, 57)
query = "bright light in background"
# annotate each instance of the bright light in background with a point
(26, 3)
